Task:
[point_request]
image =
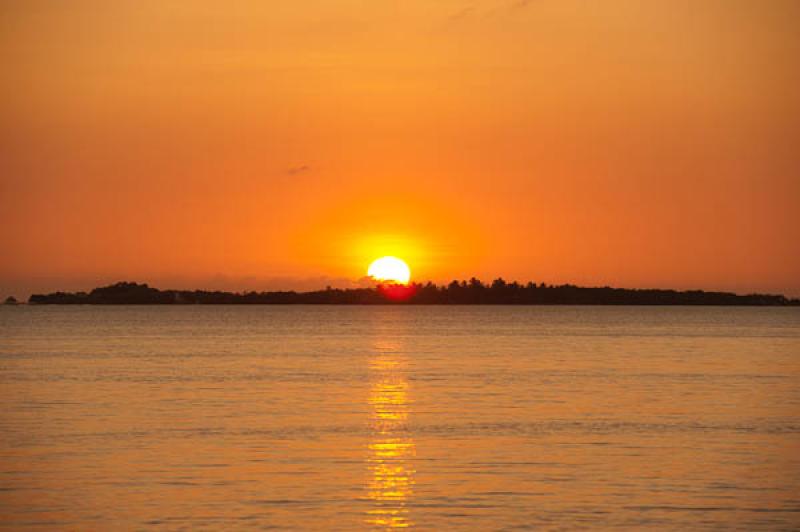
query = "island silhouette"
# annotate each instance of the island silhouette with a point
(471, 292)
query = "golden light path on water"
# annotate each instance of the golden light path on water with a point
(392, 449)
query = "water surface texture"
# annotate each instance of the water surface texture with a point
(362, 418)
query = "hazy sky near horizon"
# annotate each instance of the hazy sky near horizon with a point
(254, 145)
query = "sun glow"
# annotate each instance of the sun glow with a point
(389, 269)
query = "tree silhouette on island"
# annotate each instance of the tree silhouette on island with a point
(472, 292)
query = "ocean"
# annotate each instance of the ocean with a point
(381, 417)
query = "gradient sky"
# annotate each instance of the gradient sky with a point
(257, 145)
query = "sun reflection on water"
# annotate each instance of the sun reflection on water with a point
(392, 449)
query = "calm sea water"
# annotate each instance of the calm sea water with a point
(359, 418)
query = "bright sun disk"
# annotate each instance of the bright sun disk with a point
(389, 269)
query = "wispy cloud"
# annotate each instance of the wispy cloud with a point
(462, 13)
(470, 11)
(297, 170)
(521, 4)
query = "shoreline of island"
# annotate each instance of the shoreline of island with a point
(471, 292)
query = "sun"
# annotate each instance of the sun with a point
(389, 269)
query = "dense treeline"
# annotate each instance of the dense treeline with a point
(472, 292)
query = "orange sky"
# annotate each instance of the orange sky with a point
(263, 145)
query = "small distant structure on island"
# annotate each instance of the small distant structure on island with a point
(472, 292)
(11, 300)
